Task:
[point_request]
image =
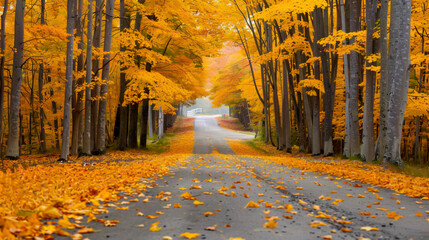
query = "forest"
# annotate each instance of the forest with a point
(325, 77)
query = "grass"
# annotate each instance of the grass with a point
(411, 169)
(255, 145)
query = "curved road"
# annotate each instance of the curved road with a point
(209, 136)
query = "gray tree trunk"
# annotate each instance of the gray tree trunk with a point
(347, 127)
(13, 137)
(87, 131)
(2, 47)
(353, 95)
(150, 130)
(77, 105)
(160, 123)
(380, 148)
(399, 73)
(123, 125)
(42, 146)
(285, 111)
(101, 132)
(95, 91)
(367, 149)
(69, 77)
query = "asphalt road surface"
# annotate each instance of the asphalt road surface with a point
(226, 183)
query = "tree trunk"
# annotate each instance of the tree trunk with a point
(77, 106)
(367, 149)
(150, 121)
(2, 47)
(352, 97)
(123, 129)
(101, 131)
(285, 111)
(69, 77)
(95, 91)
(87, 131)
(399, 73)
(380, 148)
(13, 137)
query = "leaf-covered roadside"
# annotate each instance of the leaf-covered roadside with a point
(69, 191)
(366, 173)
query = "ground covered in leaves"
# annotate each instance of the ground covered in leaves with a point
(172, 194)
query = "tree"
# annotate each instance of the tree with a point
(68, 89)
(41, 98)
(87, 131)
(367, 148)
(13, 150)
(398, 71)
(101, 132)
(2, 61)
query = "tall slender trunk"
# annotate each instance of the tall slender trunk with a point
(352, 97)
(123, 129)
(42, 146)
(134, 108)
(87, 131)
(367, 149)
(399, 73)
(384, 85)
(13, 137)
(69, 77)
(95, 91)
(285, 110)
(101, 131)
(77, 106)
(2, 47)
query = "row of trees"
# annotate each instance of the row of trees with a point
(332, 76)
(97, 64)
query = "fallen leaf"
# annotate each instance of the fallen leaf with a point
(196, 203)
(327, 237)
(209, 213)
(345, 230)
(368, 228)
(252, 204)
(270, 224)
(211, 228)
(177, 205)
(317, 224)
(154, 227)
(85, 230)
(189, 235)
(151, 216)
(140, 226)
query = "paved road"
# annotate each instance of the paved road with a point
(209, 136)
(226, 183)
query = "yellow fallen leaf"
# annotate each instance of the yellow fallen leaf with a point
(167, 238)
(302, 202)
(196, 203)
(187, 196)
(140, 226)
(252, 204)
(317, 224)
(316, 207)
(122, 208)
(65, 223)
(211, 228)
(327, 237)
(189, 235)
(151, 216)
(177, 205)
(236, 238)
(368, 228)
(85, 230)
(270, 224)
(154, 227)
(345, 230)
(209, 213)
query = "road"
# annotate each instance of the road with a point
(226, 183)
